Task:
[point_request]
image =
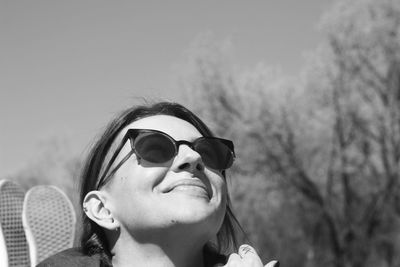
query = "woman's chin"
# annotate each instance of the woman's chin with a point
(197, 213)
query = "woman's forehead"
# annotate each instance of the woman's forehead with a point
(173, 126)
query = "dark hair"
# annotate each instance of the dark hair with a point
(93, 239)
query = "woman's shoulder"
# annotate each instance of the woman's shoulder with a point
(73, 257)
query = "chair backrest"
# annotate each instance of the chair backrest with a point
(13, 234)
(49, 221)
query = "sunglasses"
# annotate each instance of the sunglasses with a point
(158, 147)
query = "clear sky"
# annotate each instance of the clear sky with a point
(67, 66)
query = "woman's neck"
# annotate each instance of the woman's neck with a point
(157, 253)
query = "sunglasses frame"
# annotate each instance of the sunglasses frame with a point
(132, 134)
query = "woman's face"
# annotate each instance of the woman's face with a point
(182, 191)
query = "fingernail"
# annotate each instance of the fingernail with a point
(244, 247)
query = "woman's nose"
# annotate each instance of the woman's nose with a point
(188, 159)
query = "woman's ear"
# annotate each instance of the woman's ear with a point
(96, 208)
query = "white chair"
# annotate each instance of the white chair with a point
(35, 225)
(49, 220)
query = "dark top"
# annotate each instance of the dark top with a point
(73, 257)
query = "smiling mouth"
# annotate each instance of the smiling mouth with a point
(190, 187)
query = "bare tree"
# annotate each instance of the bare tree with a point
(330, 145)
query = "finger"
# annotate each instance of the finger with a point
(246, 249)
(249, 255)
(233, 258)
(273, 263)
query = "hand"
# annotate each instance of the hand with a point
(247, 257)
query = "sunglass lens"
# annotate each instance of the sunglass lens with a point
(154, 147)
(214, 153)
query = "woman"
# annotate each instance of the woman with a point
(154, 194)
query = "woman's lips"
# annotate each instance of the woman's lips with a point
(190, 186)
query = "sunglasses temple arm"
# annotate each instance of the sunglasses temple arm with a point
(117, 167)
(114, 156)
